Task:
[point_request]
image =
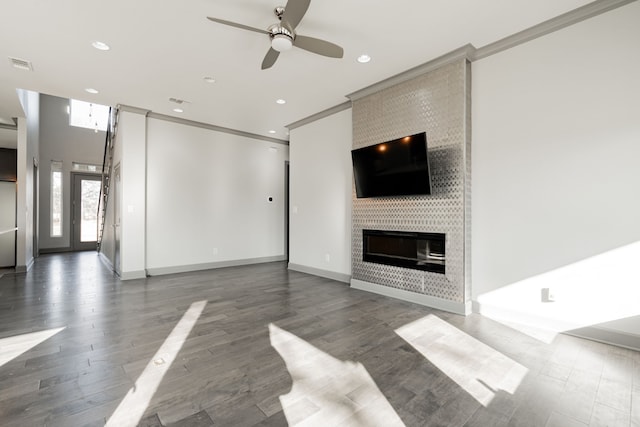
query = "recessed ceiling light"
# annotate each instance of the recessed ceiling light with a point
(178, 110)
(209, 79)
(100, 45)
(272, 131)
(91, 90)
(280, 101)
(364, 58)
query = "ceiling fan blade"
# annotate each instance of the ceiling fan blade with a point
(294, 11)
(270, 58)
(234, 24)
(321, 47)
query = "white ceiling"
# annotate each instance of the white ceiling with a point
(164, 49)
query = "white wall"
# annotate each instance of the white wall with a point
(8, 138)
(207, 198)
(130, 145)
(556, 152)
(62, 142)
(28, 150)
(320, 199)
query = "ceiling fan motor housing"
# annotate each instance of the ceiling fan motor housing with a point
(281, 38)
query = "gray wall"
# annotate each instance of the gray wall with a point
(59, 141)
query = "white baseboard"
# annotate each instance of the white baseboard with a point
(340, 277)
(426, 300)
(133, 275)
(160, 271)
(607, 336)
(594, 332)
(106, 261)
(20, 269)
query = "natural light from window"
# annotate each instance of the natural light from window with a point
(86, 167)
(327, 391)
(87, 115)
(479, 369)
(131, 409)
(12, 347)
(593, 291)
(56, 199)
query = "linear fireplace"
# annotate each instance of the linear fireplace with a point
(419, 251)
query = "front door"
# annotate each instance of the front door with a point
(84, 208)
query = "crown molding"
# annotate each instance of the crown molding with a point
(321, 115)
(465, 52)
(565, 20)
(201, 125)
(130, 109)
(13, 126)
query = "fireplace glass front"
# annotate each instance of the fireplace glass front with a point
(419, 251)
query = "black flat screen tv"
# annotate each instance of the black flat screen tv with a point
(393, 168)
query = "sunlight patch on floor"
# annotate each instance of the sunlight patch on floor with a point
(328, 391)
(479, 369)
(131, 409)
(12, 347)
(596, 290)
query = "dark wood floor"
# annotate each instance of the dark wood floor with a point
(273, 347)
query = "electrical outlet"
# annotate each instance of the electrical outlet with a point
(327, 257)
(215, 251)
(548, 295)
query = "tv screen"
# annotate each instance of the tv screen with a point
(393, 168)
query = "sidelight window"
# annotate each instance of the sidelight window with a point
(56, 198)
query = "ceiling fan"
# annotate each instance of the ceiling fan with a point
(283, 35)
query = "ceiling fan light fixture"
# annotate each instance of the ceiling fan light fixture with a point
(281, 42)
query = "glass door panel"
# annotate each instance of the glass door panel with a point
(89, 195)
(86, 194)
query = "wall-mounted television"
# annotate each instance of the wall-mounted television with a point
(393, 168)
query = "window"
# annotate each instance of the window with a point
(86, 115)
(56, 198)
(86, 167)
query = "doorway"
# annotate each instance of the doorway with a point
(36, 210)
(85, 191)
(8, 197)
